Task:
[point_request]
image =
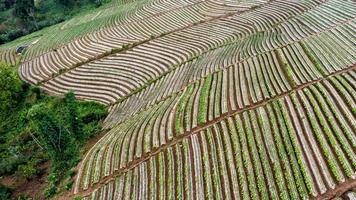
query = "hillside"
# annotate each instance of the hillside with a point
(208, 99)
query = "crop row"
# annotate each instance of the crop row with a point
(114, 38)
(164, 53)
(200, 103)
(88, 27)
(8, 56)
(274, 71)
(126, 73)
(287, 149)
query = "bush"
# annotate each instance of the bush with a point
(3, 38)
(5, 192)
(28, 171)
(89, 112)
(8, 163)
(14, 33)
(69, 185)
(49, 22)
(50, 191)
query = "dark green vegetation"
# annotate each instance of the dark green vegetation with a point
(21, 17)
(36, 128)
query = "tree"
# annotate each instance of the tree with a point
(6, 4)
(56, 138)
(67, 3)
(25, 10)
(75, 125)
(10, 87)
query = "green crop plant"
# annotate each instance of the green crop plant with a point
(206, 175)
(186, 168)
(317, 64)
(276, 169)
(215, 169)
(245, 158)
(170, 172)
(346, 85)
(180, 110)
(263, 155)
(318, 135)
(178, 175)
(255, 157)
(341, 89)
(238, 157)
(160, 174)
(203, 100)
(296, 151)
(188, 108)
(329, 135)
(323, 96)
(218, 94)
(276, 130)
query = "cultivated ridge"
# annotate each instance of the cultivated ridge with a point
(213, 99)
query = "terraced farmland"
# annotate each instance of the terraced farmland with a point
(210, 99)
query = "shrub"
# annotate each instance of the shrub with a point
(28, 171)
(69, 185)
(15, 33)
(5, 192)
(50, 191)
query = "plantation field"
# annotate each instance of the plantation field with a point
(209, 99)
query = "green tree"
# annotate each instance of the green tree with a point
(67, 3)
(5, 4)
(10, 88)
(25, 10)
(75, 124)
(56, 138)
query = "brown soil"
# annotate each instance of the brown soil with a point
(2, 27)
(29, 188)
(338, 191)
(92, 141)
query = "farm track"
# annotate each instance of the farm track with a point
(332, 193)
(338, 191)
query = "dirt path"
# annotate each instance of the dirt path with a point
(339, 190)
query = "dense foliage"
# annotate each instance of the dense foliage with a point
(21, 17)
(36, 128)
(10, 88)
